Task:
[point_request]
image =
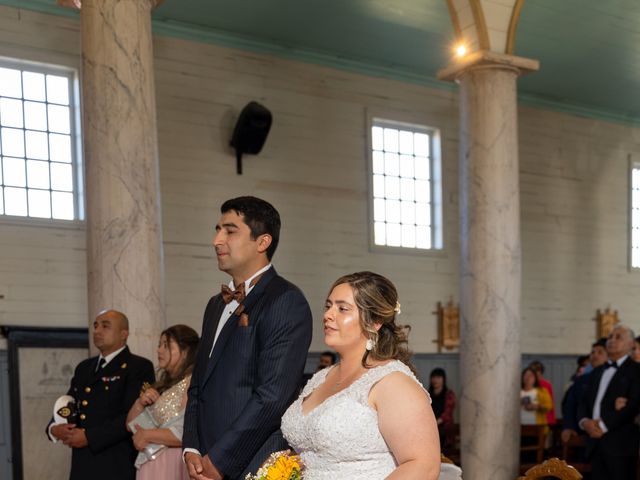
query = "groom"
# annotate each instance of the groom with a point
(255, 338)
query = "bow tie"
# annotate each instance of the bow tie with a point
(228, 295)
(238, 294)
(611, 364)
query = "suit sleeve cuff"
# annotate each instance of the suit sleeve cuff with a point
(50, 435)
(603, 427)
(581, 422)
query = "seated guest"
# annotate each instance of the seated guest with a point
(535, 401)
(577, 390)
(538, 368)
(165, 402)
(608, 409)
(104, 388)
(327, 358)
(443, 402)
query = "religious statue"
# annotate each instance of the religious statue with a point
(605, 321)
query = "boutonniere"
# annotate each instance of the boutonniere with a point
(111, 379)
(244, 320)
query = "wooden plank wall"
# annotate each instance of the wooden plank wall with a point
(574, 188)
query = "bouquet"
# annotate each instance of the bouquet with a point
(279, 466)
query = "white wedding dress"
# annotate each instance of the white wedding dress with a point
(340, 437)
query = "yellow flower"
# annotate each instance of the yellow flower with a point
(282, 468)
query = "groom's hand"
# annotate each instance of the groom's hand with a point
(194, 465)
(201, 468)
(210, 469)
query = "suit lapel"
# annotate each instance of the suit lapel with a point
(617, 376)
(94, 366)
(232, 324)
(593, 394)
(211, 325)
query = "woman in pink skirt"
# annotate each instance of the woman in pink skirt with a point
(156, 417)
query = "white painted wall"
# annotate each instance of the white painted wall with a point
(313, 168)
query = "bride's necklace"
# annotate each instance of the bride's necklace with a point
(344, 381)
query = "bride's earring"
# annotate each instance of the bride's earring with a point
(370, 345)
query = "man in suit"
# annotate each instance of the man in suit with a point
(255, 337)
(104, 388)
(608, 409)
(578, 389)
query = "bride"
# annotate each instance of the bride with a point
(368, 417)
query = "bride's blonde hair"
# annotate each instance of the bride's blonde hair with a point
(377, 301)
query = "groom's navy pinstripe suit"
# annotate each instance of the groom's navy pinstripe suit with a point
(238, 395)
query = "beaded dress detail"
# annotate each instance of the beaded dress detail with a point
(340, 437)
(170, 404)
(168, 412)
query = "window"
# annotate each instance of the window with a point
(635, 216)
(406, 187)
(38, 174)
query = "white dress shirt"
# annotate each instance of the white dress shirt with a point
(605, 380)
(110, 357)
(233, 304)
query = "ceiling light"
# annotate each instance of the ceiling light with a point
(461, 50)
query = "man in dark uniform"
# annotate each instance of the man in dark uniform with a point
(104, 388)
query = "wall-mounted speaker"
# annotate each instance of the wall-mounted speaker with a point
(251, 131)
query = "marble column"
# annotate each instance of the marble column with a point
(124, 236)
(490, 273)
(490, 266)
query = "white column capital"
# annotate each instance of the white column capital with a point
(486, 58)
(486, 24)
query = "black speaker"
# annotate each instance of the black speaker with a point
(251, 131)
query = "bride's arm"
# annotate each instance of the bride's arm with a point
(409, 427)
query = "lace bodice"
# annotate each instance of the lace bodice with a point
(340, 437)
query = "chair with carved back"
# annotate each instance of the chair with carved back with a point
(533, 440)
(573, 453)
(554, 468)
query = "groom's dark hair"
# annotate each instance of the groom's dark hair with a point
(259, 215)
